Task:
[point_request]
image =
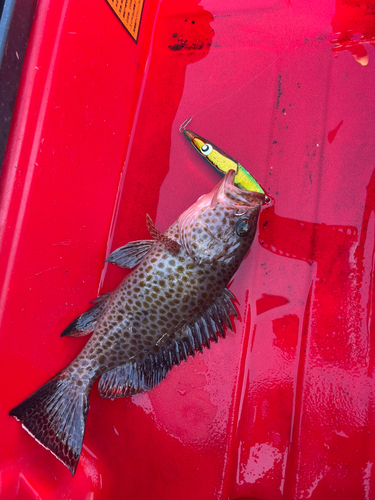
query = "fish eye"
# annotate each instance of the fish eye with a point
(242, 227)
(206, 149)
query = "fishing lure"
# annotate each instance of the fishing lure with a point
(222, 162)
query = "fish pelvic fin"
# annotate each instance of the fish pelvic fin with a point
(136, 377)
(169, 243)
(55, 415)
(85, 323)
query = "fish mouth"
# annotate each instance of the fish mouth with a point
(228, 193)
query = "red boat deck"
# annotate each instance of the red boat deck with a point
(284, 407)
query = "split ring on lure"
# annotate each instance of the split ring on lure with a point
(222, 162)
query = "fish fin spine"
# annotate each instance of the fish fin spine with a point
(169, 243)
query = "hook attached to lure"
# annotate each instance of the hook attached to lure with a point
(222, 163)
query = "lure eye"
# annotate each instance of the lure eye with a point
(242, 227)
(206, 149)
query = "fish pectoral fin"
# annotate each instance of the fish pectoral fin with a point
(85, 323)
(169, 243)
(131, 254)
(140, 376)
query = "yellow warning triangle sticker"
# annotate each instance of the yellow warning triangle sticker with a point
(129, 13)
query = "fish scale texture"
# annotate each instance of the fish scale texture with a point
(168, 307)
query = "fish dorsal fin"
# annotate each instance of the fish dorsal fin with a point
(85, 323)
(135, 377)
(131, 254)
(170, 244)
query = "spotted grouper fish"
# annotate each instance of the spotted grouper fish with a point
(172, 304)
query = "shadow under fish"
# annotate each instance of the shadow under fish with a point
(171, 305)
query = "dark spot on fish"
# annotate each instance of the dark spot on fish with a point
(160, 265)
(148, 269)
(101, 359)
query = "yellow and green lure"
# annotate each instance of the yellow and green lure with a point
(222, 163)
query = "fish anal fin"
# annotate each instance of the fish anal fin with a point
(85, 323)
(140, 376)
(134, 377)
(55, 415)
(169, 243)
(131, 254)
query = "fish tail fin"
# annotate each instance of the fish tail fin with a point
(55, 415)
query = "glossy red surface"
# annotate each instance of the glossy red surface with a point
(284, 407)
